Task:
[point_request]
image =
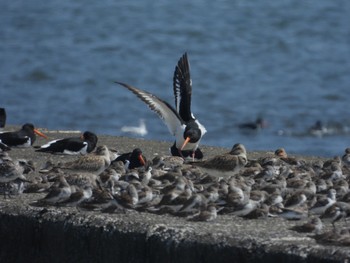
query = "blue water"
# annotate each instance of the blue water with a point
(288, 61)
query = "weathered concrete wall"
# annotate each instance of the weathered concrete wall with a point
(34, 234)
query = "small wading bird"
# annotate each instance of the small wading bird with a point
(180, 121)
(95, 162)
(227, 164)
(10, 170)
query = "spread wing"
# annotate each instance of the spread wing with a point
(183, 88)
(167, 113)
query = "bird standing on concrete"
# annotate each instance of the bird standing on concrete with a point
(180, 121)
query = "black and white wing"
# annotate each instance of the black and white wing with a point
(167, 113)
(183, 88)
(69, 146)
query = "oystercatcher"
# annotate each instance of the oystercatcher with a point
(180, 121)
(2, 118)
(24, 137)
(182, 84)
(84, 144)
(135, 158)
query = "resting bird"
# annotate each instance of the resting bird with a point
(94, 163)
(227, 164)
(135, 158)
(84, 144)
(11, 170)
(2, 117)
(24, 137)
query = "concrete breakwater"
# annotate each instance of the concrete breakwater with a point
(32, 234)
(56, 234)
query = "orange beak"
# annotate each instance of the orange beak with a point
(82, 137)
(142, 161)
(185, 142)
(40, 134)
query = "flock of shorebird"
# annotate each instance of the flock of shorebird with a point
(275, 185)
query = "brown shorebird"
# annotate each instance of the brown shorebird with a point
(323, 202)
(346, 158)
(225, 165)
(313, 225)
(206, 215)
(282, 155)
(79, 196)
(58, 193)
(13, 170)
(336, 212)
(94, 163)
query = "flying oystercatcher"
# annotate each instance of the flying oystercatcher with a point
(84, 144)
(24, 137)
(180, 121)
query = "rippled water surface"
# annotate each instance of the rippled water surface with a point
(287, 61)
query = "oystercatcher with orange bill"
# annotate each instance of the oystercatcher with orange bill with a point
(135, 158)
(180, 121)
(24, 137)
(182, 84)
(84, 144)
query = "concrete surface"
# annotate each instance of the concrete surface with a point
(56, 234)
